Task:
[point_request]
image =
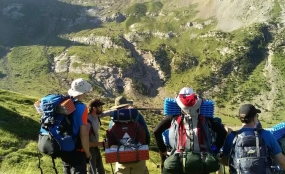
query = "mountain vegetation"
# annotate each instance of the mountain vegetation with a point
(231, 52)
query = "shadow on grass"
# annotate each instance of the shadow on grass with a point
(33, 22)
(18, 125)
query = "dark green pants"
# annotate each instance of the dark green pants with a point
(96, 161)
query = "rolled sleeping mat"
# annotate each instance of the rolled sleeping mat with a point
(207, 108)
(171, 107)
(278, 130)
(124, 115)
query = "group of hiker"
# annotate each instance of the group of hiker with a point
(196, 144)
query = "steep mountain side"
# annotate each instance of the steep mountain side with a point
(227, 50)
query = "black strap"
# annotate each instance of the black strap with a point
(91, 126)
(39, 164)
(54, 167)
(99, 121)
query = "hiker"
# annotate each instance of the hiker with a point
(189, 124)
(132, 167)
(95, 109)
(222, 167)
(75, 161)
(248, 150)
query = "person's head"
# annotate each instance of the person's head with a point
(188, 101)
(95, 107)
(79, 88)
(122, 102)
(248, 114)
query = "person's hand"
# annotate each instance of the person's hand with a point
(229, 130)
(164, 153)
(104, 144)
(88, 155)
(163, 156)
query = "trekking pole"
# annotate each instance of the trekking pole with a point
(153, 109)
(112, 168)
(54, 167)
(157, 165)
(90, 165)
(39, 164)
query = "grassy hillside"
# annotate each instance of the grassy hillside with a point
(245, 65)
(19, 126)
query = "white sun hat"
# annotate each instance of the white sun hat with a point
(78, 87)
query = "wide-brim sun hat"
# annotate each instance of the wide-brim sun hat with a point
(79, 87)
(121, 102)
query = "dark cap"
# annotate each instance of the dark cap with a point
(95, 102)
(248, 111)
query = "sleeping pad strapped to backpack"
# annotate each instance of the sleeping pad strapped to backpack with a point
(191, 139)
(126, 131)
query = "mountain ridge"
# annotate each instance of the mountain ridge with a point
(145, 49)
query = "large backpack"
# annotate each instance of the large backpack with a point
(126, 131)
(56, 130)
(249, 153)
(191, 154)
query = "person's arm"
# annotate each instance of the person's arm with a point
(158, 130)
(98, 144)
(106, 113)
(227, 149)
(274, 148)
(84, 133)
(280, 158)
(84, 136)
(220, 131)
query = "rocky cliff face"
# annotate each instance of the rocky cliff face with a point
(146, 71)
(70, 20)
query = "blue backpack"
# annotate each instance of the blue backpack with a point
(56, 131)
(249, 153)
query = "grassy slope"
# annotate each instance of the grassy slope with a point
(26, 70)
(18, 130)
(19, 127)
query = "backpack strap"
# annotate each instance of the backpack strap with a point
(100, 123)
(190, 138)
(257, 143)
(181, 133)
(206, 134)
(91, 127)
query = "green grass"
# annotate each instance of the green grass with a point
(154, 7)
(27, 71)
(19, 126)
(276, 12)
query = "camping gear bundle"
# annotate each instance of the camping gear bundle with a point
(126, 138)
(184, 158)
